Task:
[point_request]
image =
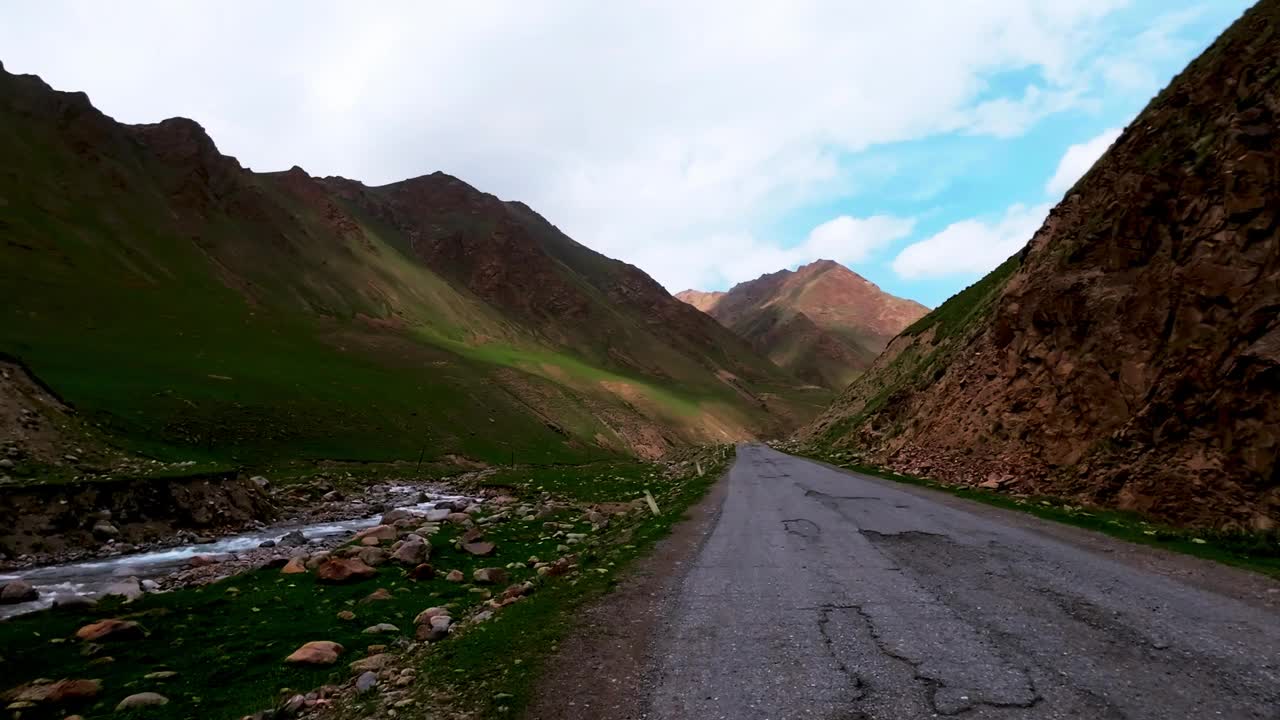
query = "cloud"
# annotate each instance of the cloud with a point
(648, 131)
(1077, 160)
(971, 246)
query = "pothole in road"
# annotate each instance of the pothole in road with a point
(802, 527)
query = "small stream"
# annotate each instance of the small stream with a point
(91, 578)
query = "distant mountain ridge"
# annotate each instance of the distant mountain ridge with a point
(188, 305)
(822, 321)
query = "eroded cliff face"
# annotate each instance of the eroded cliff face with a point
(1132, 356)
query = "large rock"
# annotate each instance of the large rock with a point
(378, 533)
(412, 553)
(142, 700)
(391, 517)
(61, 692)
(18, 591)
(294, 538)
(372, 556)
(316, 652)
(479, 548)
(425, 616)
(110, 629)
(336, 570)
(296, 565)
(373, 663)
(490, 576)
(129, 589)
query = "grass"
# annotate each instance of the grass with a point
(226, 641)
(1251, 551)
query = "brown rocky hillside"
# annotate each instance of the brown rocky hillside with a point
(822, 321)
(1130, 355)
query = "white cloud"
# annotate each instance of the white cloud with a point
(1077, 160)
(971, 246)
(647, 131)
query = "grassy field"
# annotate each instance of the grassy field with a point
(1252, 551)
(226, 641)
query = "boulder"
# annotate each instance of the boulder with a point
(459, 518)
(346, 615)
(376, 596)
(425, 616)
(479, 548)
(412, 553)
(379, 533)
(366, 682)
(106, 529)
(294, 538)
(372, 556)
(489, 576)
(422, 571)
(455, 576)
(316, 652)
(393, 516)
(142, 700)
(73, 602)
(381, 628)
(436, 515)
(18, 591)
(373, 663)
(110, 629)
(340, 571)
(316, 558)
(296, 565)
(58, 693)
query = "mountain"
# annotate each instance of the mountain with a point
(189, 307)
(823, 322)
(1129, 356)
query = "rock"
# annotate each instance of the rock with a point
(376, 596)
(473, 509)
(294, 538)
(160, 675)
(381, 628)
(261, 482)
(455, 576)
(61, 692)
(425, 616)
(316, 652)
(366, 682)
(317, 558)
(412, 553)
(378, 533)
(422, 571)
(106, 529)
(480, 548)
(438, 514)
(339, 571)
(149, 585)
(372, 556)
(73, 602)
(142, 700)
(440, 622)
(292, 706)
(346, 615)
(110, 629)
(393, 516)
(489, 576)
(430, 633)
(373, 663)
(18, 591)
(458, 518)
(482, 616)
(6, 464)
(296, 566)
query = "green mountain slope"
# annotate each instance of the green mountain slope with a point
(192, 308)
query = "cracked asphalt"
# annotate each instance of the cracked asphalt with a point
(823, 594)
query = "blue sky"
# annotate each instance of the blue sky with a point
(919, 142)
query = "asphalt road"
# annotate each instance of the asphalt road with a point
(819, 594)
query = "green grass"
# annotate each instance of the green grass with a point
(227, 641)
(1259, 552)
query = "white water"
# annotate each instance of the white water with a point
(92, 577)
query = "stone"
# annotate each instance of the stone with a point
(455, 576)
(473, 509)
(142, 700)
(149, 585)
(376, 596)
(459, 518)
(372, 556)
(431, 612)
(317, 558)
(373, 663)
(480, 548)
(18, 591)
(440, 622)
(489, 576)
(430, 633)
(393, 516)
(73, 602)
(293, 538)
(379, 533)
(366, 682)
(316, 652)
(106, 529)
(260, 482)
(380, 629)
(422, 571)
(160, 675)
(60, 692)
(346, 615)
(341, 571)
(438, 514)
(292, 706)
(110, 629)
(412, 553)
(296, 566)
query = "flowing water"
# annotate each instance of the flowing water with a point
(91, 578)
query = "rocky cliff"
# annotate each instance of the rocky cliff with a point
(1130, 355)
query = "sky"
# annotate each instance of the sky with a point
(919, 142)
